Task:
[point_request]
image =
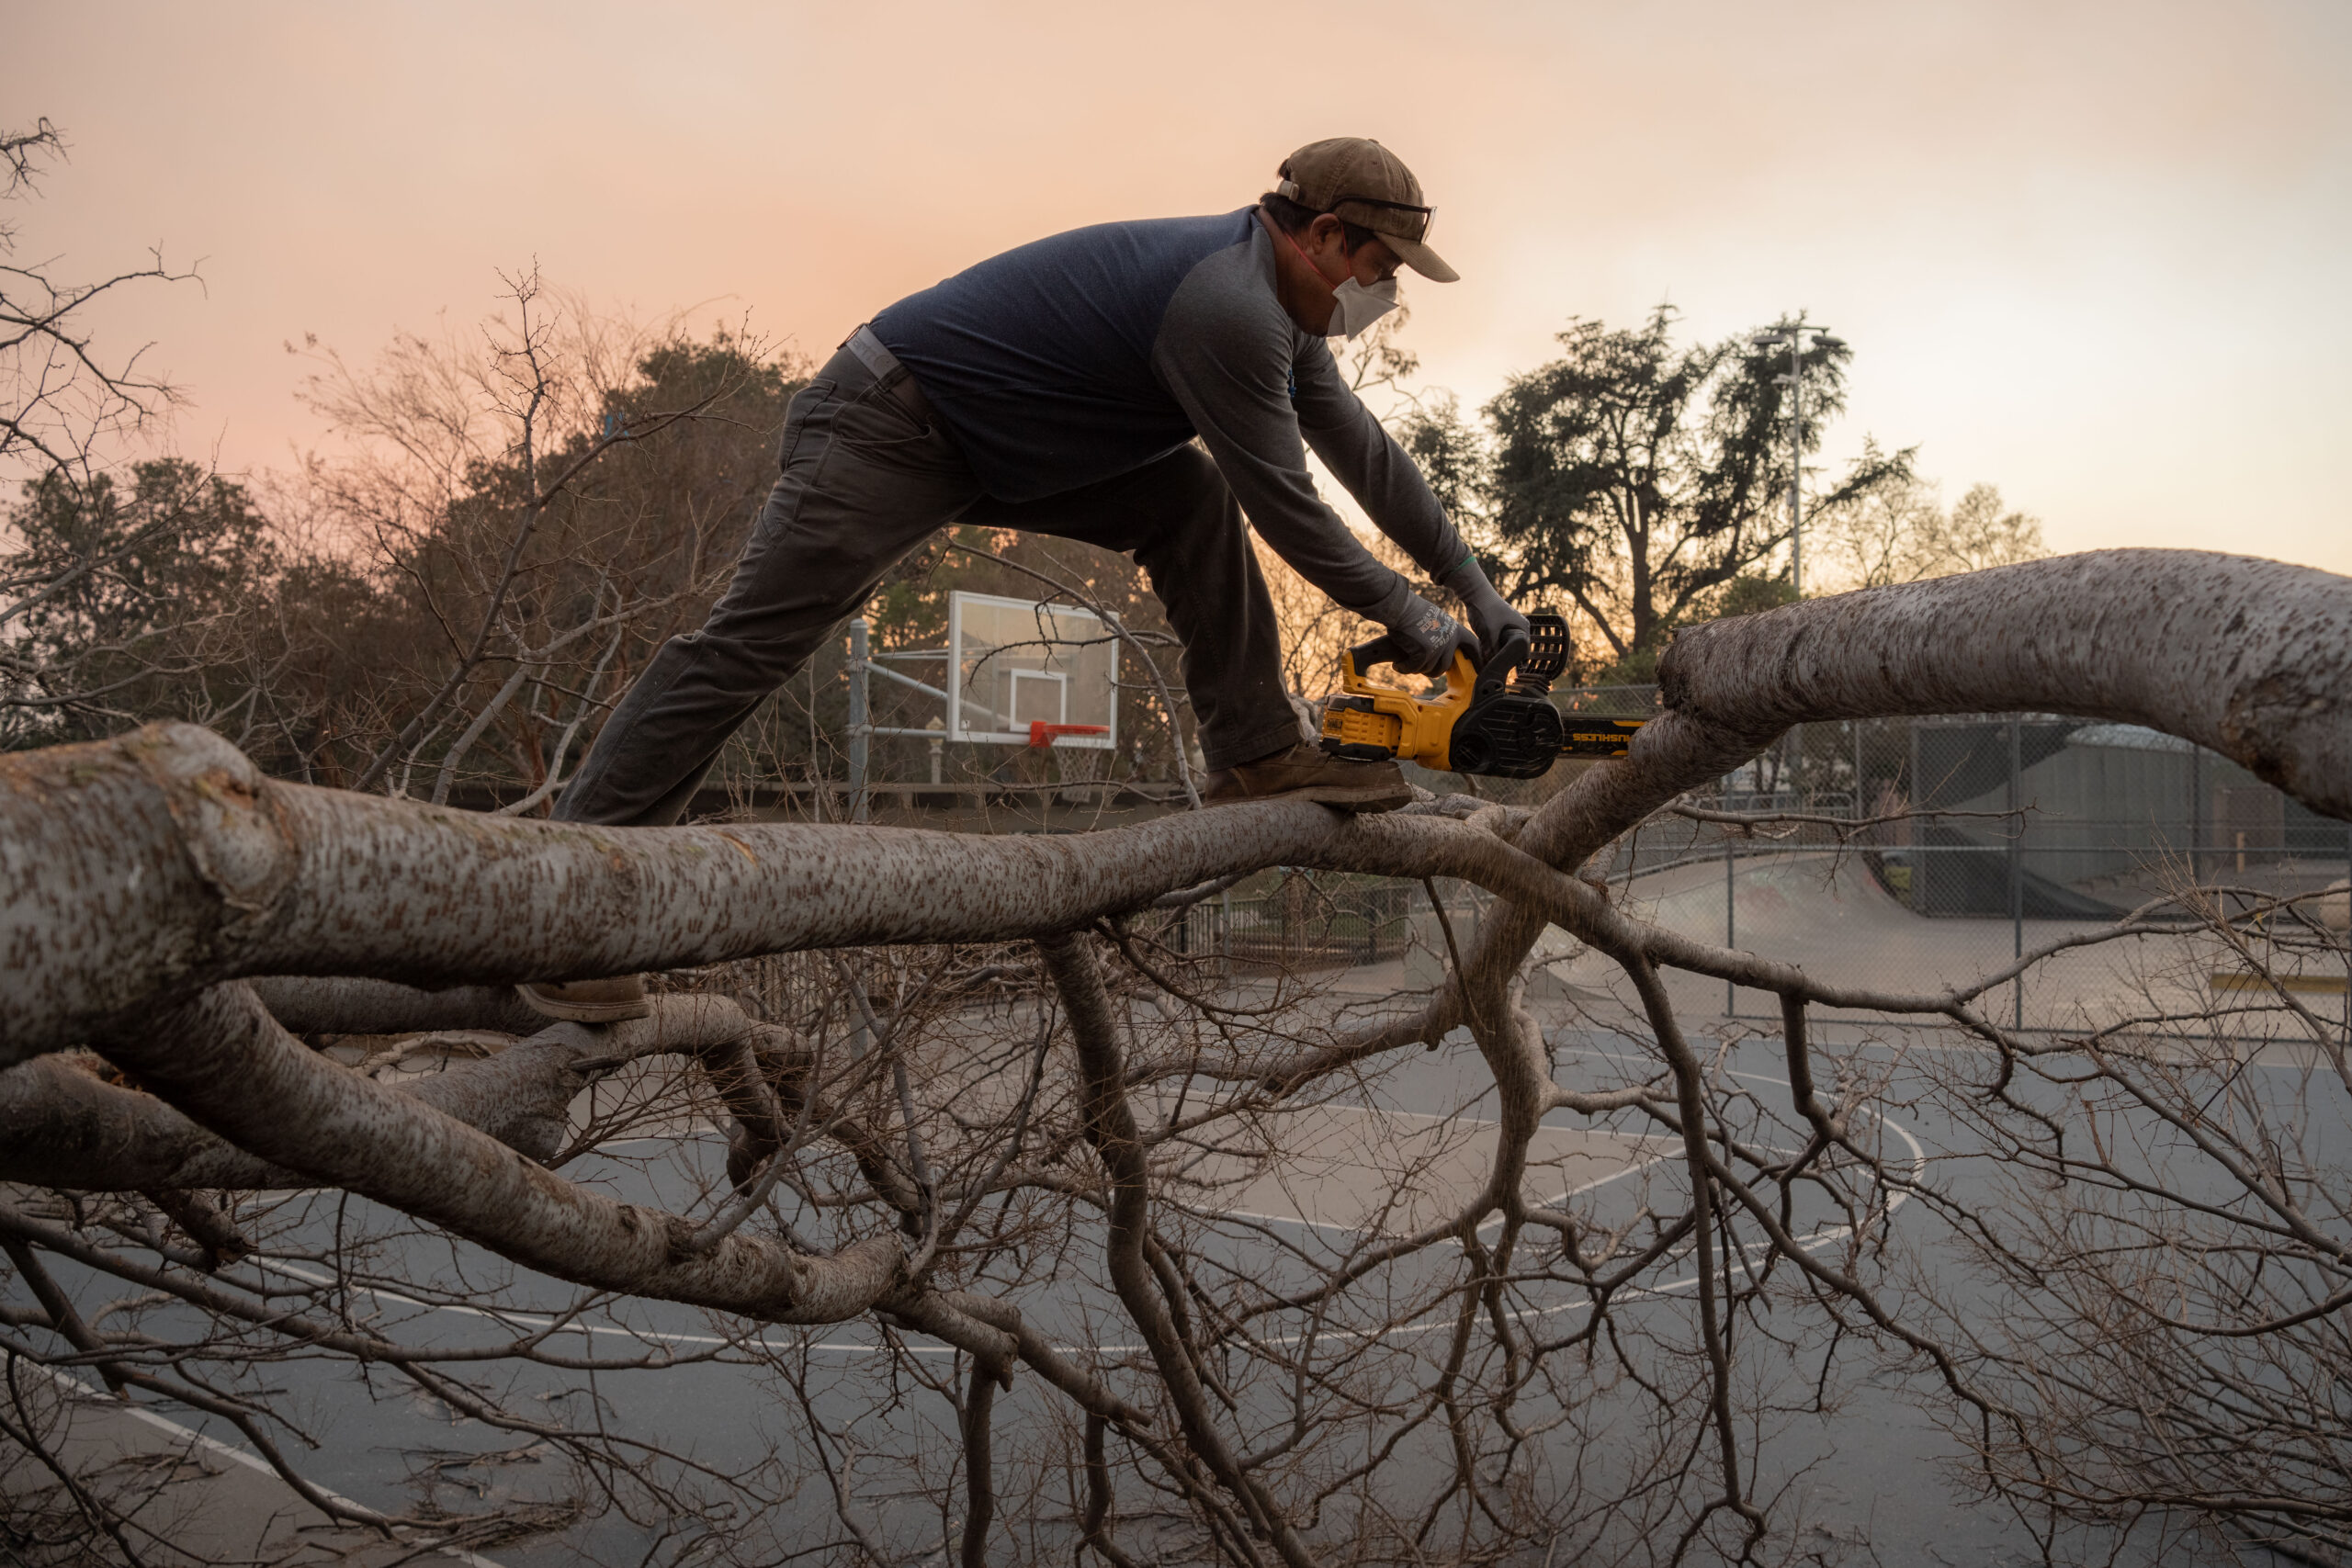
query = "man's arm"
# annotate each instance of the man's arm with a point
(1372, 467)
(1224, 353)
(1389, 486)
(1240, 369)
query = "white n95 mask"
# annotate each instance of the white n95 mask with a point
(1355, 306)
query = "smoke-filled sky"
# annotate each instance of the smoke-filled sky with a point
(2091, 253)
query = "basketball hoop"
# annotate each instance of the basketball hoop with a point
(1042, 735)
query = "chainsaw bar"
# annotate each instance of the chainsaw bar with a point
(1584, 737)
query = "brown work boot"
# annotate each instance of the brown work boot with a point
(1306, 771)
(588, 1001)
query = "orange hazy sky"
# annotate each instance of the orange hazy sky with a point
(2092, 253)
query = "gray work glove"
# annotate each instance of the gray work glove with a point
(1488, 611)
(1427, 638)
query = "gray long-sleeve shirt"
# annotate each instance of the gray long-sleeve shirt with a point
(1100, 350)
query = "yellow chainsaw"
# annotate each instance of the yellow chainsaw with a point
(1487, 721)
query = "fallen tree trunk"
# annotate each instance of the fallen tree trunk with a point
(152, 867)
(162, 901)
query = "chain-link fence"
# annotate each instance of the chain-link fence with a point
(1904, 856)
(1297, 919)
(1913, 856)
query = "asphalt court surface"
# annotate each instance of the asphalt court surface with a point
(1336, 1164)
(1425, 1134)
(191, 1498)
(1374, 1171)
(1347, 1174)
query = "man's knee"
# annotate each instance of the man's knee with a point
(714, 661)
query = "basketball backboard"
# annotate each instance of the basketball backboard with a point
(1017, 663)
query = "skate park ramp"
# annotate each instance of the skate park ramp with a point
(1827, 913)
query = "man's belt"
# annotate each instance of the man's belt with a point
(896, 378)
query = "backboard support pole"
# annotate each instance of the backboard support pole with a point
(861, 723)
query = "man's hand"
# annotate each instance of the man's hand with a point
(1427, 638)
(1488, 611)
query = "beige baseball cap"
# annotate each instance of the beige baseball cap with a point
(1356, 178)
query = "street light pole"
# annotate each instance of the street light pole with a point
(1796, 463)
(1794, 382)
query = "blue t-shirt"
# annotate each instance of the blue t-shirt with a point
(1039, 360)
(1092, 353)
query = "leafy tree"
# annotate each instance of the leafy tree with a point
(90, 577)
(182, 542)
(1751, 591)
(130, 584)
(1635, 480)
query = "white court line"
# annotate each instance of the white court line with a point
(1554, 1202)
(82, 1391)
(1812, 1242)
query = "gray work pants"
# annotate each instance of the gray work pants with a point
(865, 480)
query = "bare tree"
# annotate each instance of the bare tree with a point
(1896, 529)
(481, 489)
(61, 399)
(1001, 1114)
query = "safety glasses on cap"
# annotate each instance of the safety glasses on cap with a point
(1423, 216)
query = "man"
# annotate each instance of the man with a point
(1059, 387)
